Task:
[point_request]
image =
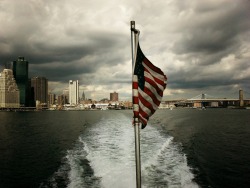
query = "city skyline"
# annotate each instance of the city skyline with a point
(202, 47)
(113, 94)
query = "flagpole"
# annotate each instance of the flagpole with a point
(134, 40)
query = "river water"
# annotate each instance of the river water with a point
(179, 148)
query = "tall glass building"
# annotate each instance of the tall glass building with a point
(40, 87)
(20, 71)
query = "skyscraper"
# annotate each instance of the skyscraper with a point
(83, 96)
(9, 93)
(52, 98)
(66, 95)
(73, 92)
(61, 100)
(40, 86)
(20, 71)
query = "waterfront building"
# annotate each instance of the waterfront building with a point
(83, 96)
(66, 92)
(20, 72)
(40, 87)
(66, 95)
(62, 99)
(31, 95)
(9, 92)
(114, 96)
(52, 99)
(73, 92)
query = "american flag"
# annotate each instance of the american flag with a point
(149, 83)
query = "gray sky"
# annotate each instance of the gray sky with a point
(202, 46)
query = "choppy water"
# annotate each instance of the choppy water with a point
(179, 148)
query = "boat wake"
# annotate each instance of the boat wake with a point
(103, 156)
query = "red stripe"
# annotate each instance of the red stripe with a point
(151, 66)
(158, 80)
(136, 114)
(147, 104)
(143, 122)
(152, 95)
(143, 114)
(152, 83)
(135, 100)
(135, 85)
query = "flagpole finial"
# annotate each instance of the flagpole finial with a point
(132, 26)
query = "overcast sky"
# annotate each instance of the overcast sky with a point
(202, 46)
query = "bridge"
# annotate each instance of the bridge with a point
(205, 100)
(208, 98)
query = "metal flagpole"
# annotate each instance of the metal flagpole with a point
(134, 41)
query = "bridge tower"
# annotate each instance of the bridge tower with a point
(241, 98)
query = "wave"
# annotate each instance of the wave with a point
(104, 154)
(168, 168)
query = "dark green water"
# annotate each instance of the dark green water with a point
(180, 148)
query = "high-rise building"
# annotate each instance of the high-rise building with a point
(20, 71)
(9, 92)
(73, 92)
(114, 96)
(40, 86)
(66, 95)
(31, 95)
(83, 96)
(52, 99)
(61, 100)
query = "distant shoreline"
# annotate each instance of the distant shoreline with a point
(40, 110)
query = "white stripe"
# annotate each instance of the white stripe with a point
(148, 75)
(145, 109)
(155, 74)
(135, 78)
(136, 107)
(148, 98)
(153, 90)
(135, 92)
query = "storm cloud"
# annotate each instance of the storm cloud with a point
(202, 46)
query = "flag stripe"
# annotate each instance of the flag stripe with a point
(143, 120)
(151, 100)
(153, 69)
(154, 86)
(135, 97)
(161, 84)
(145, 104)
(150, 90)
(135, 85)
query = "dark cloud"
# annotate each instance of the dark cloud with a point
(198, 44)
(211, 29)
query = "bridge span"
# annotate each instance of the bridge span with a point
(204, 100)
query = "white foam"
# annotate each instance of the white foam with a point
(111, 152)
(76, 169)
(109, 148)
(166, 165)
